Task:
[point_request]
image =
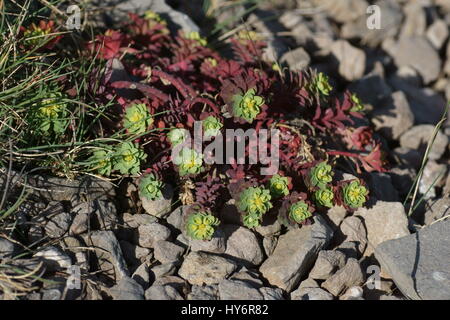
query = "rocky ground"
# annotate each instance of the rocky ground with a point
(128, 249)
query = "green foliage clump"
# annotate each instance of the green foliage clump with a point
(128, 157)
(278, 186)
(201, 226)
(299, 212)
(137, 118)
(151, 187)
(354, 194)
(248, 106)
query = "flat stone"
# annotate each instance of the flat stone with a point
(217, 244)
(58, 225)
(175, 218)
(351, 60)
(142, 276)
(418, 136)
(350, 275)
(415, 23)
(127, 289)
(269, 244)
(433, 176)
(209, 292)
(393, 116)
(328, 261)
(336, 214)
(271, 293)
(297, 59)
(159, 207)
(150, 233)
(437, 33)
(295, 253)
(311, 294)
(344, 10)
(354, 231)
(166, 251)
(418, 53)
(243, 245)
(384, 221)
(439, 209)
(54, 258)
(204, 268)
(418, 263)
(7, 248)
(108, 250)
(158, 292)
(238, 290)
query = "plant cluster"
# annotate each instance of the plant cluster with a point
(179, 79)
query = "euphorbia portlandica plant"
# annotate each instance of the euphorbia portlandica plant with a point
(201, 225)
(150, 187)
(181, 80)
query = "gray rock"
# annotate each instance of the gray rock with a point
(297, 59)
(352, 293)
(437, 34)
(393, 116)
(136, 220)
(418, 263)
(447, 64)
(175, 18)
(328, 261)
(349, 248)
(166, 269)
(54, 258)
(269, 244)
(344, 10)
(433, 175)
(309, 290)
(243, 245)
(204, 268)
(133, 254)
(415, 23)
(402, 179)
(350, 275)
(160, 207)
(426, 105)
(142, 276)
(58, 225)
(295, 253)
(351, 60)
(166, 251)
(108, 250)
(127, 289)
(271, 293)
(150, 233)
(176, 282)
(238, 290)
(270, 226)
(61, 189)
(217, 244)
(384, 221)
(418, 53)
(158, 292)
(75, 246)
(209, 292)
(7, 248)
(354, 231)
(175, 218)
(103, 211)
(391, 20)
(438, 210)
(418, 136)
(336, 214)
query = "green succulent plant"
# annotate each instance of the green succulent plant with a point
(357, 104)
(194, 35)
(354, 194)
(321, 175)
(102, 162)
(151, 187)
(278, 186)
(324, 197)
(252, 220)
(177, 136)
(321, 84)
(299, 212)
(211, 126)
(189, 162)
(201, 226)
(128, 157)
(255, 201)
(137, 118)
(248, 106)
(51, 114)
